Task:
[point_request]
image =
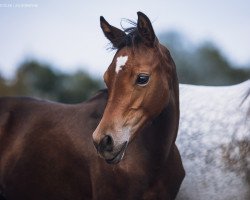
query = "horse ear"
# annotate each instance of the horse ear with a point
(145, 29)
(114, 35)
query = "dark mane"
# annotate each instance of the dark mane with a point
(132, 38)
(246, 99)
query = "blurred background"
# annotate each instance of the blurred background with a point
(56, 50)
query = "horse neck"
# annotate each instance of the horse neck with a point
(165, 128)
(159, 136)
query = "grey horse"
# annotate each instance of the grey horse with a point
(214, 142)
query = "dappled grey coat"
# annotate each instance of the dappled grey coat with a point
(214, 142)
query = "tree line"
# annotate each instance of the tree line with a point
(40, 80)
(203, 64)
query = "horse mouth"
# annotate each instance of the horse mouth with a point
(118, 156)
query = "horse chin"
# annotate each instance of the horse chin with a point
(119, 155)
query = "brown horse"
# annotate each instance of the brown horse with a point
(46, 148)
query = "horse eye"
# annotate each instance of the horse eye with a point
(142, 79)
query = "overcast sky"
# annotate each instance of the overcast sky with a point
(67, 34)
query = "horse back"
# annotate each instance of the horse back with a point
(39, 142)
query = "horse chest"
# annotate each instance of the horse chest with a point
(133, 178)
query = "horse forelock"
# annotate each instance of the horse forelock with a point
(131, 39)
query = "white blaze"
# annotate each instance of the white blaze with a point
(121, 61)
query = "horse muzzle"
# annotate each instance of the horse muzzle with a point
(112, 153)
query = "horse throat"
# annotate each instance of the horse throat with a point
(158, 136)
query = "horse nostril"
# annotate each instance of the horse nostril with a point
(106, 144)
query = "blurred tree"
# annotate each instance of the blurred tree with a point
(40, 80)
(77, 87)
(3, 86)
(35, 79)
(202, 65)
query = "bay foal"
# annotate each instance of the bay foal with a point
(46, 148)
(143, 93)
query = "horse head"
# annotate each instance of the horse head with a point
(139, 82)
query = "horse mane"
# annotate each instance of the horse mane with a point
(247, 95)
(247, 98)
(132, 38)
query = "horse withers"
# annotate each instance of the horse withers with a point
(46, 148)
